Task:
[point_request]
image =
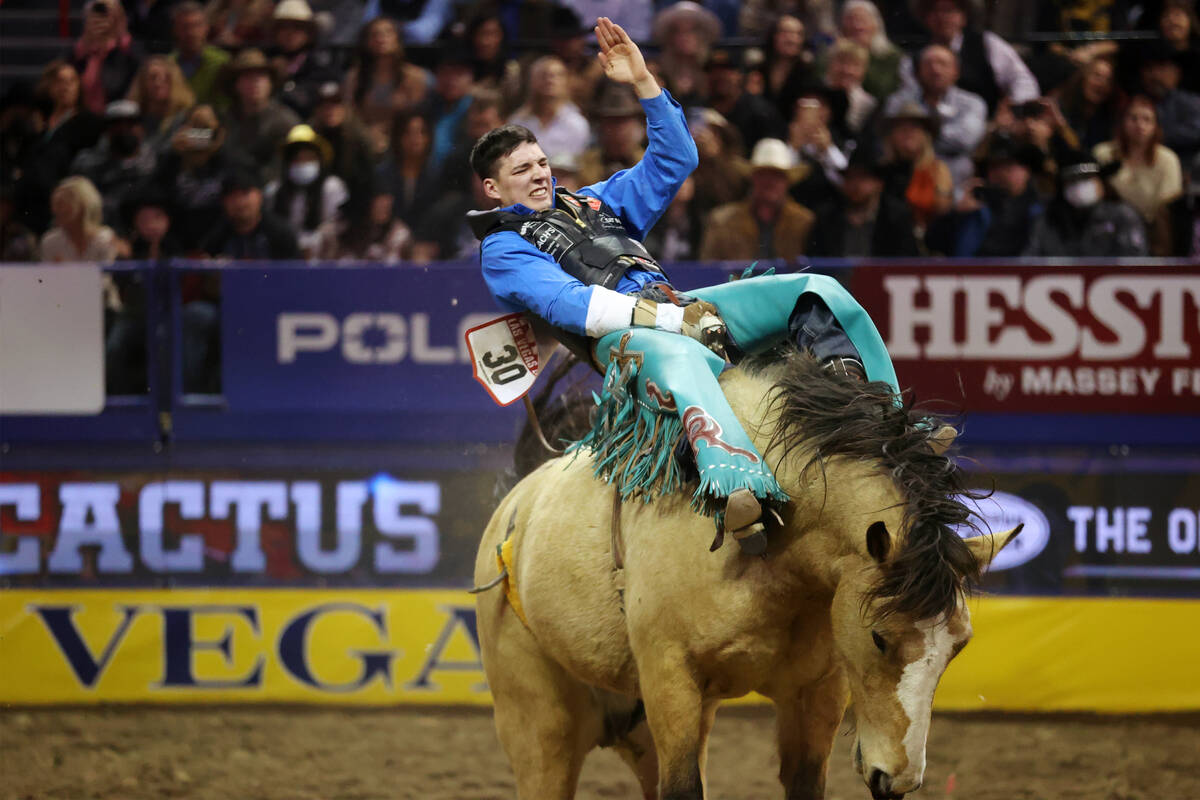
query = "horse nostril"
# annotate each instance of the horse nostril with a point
(880, 783)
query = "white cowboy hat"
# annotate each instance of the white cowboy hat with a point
(772, 154)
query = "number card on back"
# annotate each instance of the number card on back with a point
(504, 357)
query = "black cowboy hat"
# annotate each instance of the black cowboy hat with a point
(864, 159)
(240, 179)
(1000, 147)
(1076, 164)
(565, 23)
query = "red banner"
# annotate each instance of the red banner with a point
(1111, 339)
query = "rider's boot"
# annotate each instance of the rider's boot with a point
(743, 520)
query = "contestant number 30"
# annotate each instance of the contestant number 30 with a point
(504, 365)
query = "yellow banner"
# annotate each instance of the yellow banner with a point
(361, 646)
(383, 647)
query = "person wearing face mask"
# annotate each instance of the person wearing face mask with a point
(307, 196)
(1082, 222)
(119, 160)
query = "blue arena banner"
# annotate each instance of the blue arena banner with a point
(313, 338)
(363, 339)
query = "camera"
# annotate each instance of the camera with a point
(198, 138)
(1030, 109)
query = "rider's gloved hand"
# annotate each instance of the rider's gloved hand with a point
(697, 320)
(702, 322)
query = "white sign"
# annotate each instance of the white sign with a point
(504, 357)
(51, 339)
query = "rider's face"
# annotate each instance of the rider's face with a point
(523, 176)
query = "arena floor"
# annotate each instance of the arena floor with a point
(303, 754)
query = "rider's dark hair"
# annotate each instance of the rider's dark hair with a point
(495, 145)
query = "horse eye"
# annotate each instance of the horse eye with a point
(879, 642)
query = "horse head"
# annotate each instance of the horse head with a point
(893, 655)
(876, 502)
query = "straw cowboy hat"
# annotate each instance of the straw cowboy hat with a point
(686, 11)
(297, 12)
(912, 112)
(772, 154)
(616, 100)
(248, 60)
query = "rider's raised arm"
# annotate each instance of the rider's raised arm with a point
(642, 193)
(522, 278)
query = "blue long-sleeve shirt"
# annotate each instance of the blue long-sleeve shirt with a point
(521, 277)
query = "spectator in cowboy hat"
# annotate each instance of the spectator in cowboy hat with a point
(247, 230)
(723, 174)
(302, 66)
(768, 224)
(1082, 221)
(995, 215)
(862, 221)
(565, 169)
(754, 116)
(913, 172)
(620, 126)
(307, 195)
(200, 62)
(146, 216)
(257, 124)
(962, 115)
(685, 31)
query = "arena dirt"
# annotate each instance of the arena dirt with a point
(303, 754)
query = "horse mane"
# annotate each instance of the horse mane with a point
(827, 415)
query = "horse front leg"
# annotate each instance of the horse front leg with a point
(676, 713)
(808, 720)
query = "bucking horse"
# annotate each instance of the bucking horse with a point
(614, 624)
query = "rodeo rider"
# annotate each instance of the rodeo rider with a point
(576, 261)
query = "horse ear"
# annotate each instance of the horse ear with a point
(987, 546)
(879, 542)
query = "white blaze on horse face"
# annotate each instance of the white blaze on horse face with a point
(915, 693)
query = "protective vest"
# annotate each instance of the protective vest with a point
(581, 233)
(585, 237)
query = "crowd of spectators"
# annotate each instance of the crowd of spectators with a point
(305, 129)
(339, 129)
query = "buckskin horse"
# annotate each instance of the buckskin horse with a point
(628, 633)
